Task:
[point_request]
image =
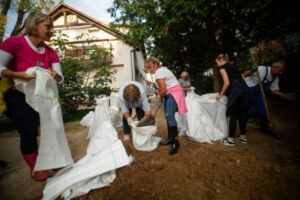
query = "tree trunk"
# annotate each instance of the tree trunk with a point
(216, 79)
(21, 13)
(5, 5)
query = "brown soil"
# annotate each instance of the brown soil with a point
(265, 168)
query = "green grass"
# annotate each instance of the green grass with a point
(7, 125)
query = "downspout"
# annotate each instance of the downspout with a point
(132, 63)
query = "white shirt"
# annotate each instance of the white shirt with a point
(142, 102)
(168, 76)
(252, 80)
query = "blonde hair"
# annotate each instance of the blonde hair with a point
(131, 93)
(223, 56)
(184, 74)
(150, 62)
(33, 20)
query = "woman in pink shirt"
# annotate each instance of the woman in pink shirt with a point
(171, 91)
(17, 54)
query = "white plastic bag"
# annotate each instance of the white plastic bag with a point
(101, 114)
(115, 117)
(181, 123)
(105, 153)
(114, 110)
(206, 120)
(143, 137)
(88, 121)
(104, 136)
(85, 186)
(42, 95)
(83, 173)
(114, 100)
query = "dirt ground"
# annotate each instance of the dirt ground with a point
(265, 168)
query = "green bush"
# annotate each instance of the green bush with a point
(86, 69)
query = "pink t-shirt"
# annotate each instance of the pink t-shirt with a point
(25, 57)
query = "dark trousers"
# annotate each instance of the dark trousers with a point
(25, 119)
(238, 112)
(140, 114)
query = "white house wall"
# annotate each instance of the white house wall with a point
(121, 51)
(74, 32)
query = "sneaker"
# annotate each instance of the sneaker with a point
(228, 142)
(242, 140)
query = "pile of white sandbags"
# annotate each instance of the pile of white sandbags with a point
(105, 153)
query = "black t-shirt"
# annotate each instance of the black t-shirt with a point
(232, 71)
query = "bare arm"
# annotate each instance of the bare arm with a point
(277, 92)
(20, 75)
(148, 112)
(55, 75)
(162, 88)
(186, 89)
(226, 83)
(126, 115)
(247, 73)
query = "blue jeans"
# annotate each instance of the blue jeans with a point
(170, 110)
(140, 114)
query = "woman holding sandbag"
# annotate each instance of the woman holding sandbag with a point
(239, 99)
(17, 54)
(171, 91)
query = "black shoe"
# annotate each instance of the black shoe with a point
(174, 147)
(167, 141)
(175, 143)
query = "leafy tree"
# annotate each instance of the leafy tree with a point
(5, 5)
(189, 34)
(22, 7)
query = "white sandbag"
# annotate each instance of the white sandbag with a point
(105, 153)
(114, 100)
(101, 114)
(181, 123)
(115, 117)
(86, 186)
(143, 137)
(114, 110)
(42, 95)
(88, 167)
(88, 121)
(104, 136)
(206, 120)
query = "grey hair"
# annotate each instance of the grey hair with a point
(184, 74)
(278, 64)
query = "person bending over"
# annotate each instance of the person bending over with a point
(132, 94)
